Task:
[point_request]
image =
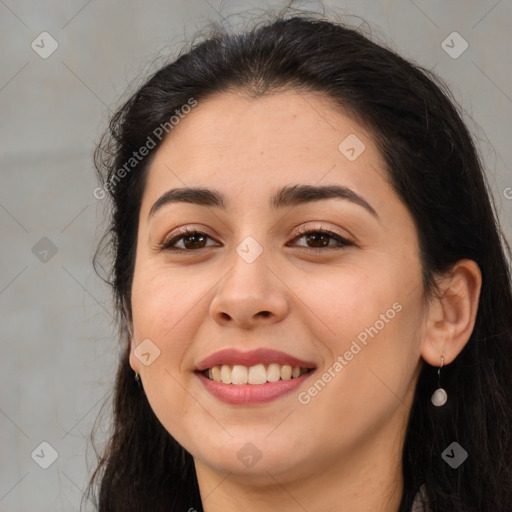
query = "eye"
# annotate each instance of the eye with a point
(195, 240)
(321, 239)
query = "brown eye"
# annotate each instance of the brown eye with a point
(317, 240)
(320, 240)
(192, 240)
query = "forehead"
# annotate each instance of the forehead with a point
(270, 124)
(235, 142)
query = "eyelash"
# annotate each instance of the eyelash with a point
(167, 244)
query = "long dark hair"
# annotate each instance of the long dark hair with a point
(436, 171)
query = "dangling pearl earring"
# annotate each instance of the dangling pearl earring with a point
(439, 396)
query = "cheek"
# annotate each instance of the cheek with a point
(162, 298)
(368, 317)
(344, 302)
(365, 385)
(166, 310)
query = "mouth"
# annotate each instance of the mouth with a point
(254, 375)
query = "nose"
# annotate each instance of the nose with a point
(250, 294)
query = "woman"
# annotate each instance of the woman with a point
(314, 300)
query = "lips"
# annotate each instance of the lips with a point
(240, 393)
(252, 395)
(252, 358)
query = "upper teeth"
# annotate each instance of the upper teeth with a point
(258, 374)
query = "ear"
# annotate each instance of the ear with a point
(452, 315)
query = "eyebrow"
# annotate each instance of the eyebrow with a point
(287, 196)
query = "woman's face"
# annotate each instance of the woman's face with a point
(251, 280)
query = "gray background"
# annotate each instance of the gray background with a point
(58, 344)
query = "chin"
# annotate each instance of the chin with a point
(253, 458)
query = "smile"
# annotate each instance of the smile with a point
(255, 375)
(252, 377)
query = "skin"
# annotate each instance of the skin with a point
(347, 441)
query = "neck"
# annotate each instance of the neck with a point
(368, 477)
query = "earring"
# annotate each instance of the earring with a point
(137, 378)
(439, 396)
